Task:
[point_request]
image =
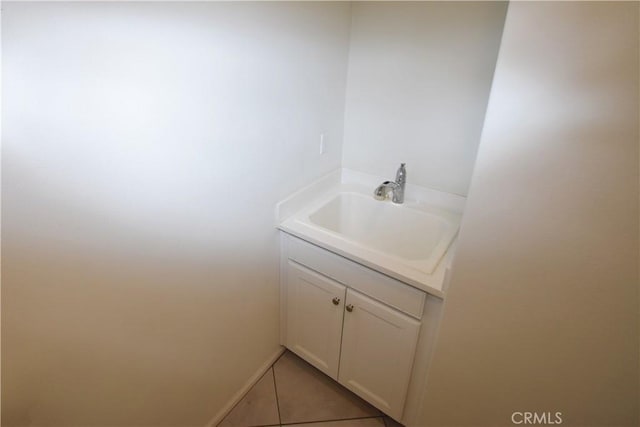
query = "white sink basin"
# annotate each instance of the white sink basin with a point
(408, 236)
(393, 229)
(412, 242)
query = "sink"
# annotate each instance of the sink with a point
(383, 226)
(414, 236)
(412, 242)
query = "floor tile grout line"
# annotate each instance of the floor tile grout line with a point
(275, 387)
(332, 420)
(286, 350)
(245, 395)
(311, 422)
(283, 424)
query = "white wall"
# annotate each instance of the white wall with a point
(418, 84)
(542, 310)
(144, 148)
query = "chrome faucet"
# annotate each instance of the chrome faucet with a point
(397, 187)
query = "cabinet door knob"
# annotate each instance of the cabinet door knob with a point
(336, 301)
(350, 308)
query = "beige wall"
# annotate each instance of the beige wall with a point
(542, 311)
(418, 84)
(144, 146)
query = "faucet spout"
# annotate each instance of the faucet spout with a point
(396, 188)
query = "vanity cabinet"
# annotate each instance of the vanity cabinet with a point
(354, 324)
(378, 347)
(315, 310)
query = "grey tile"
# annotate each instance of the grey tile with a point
(390, 422)
(306, 394)
(361, 422)
(258, 407)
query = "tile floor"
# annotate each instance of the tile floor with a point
(293, 393)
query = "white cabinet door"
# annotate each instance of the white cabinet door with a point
(378, 346)
(315, 309)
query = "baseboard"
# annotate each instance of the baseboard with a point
(245, 389)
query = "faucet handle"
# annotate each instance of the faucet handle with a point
(380, 193)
